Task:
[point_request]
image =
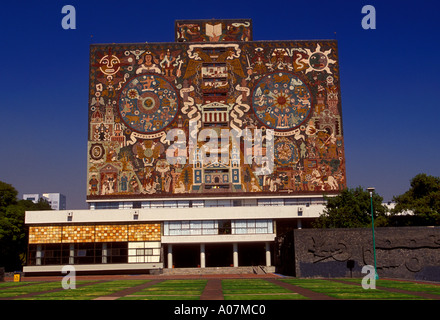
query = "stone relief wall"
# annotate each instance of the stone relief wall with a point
(405, 253)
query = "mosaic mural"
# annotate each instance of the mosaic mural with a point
(213, 30)
(214, 78)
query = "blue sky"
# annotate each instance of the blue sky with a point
(389, 81)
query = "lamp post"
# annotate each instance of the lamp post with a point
(371, 190)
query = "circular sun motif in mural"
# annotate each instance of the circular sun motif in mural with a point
(285, 152)
(281, 101)
(148, 103)
(318, 61)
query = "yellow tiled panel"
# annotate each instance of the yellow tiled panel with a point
(45, 234)
(144, 232)
(110, 233)
(78, 234)
(94, 233)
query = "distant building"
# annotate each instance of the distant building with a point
(57, 201)
(34, 197)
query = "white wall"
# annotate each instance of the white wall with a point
(172, 214)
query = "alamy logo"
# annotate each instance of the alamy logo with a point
(69, 280)
(369, 21)
(210, 146)
(69, 20)
(369, 281)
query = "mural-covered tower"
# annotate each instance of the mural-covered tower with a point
(214, 77)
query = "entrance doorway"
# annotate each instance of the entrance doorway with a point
(252, 254)
(219, 255)
(186, 255)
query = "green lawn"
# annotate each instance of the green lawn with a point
(349, 291)
(4, 285)
(404, 285)
(88, 292)
(233, 289)
(255, 289)
(170, 290)
(20, 288)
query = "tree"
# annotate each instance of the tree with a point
(13, 237)
(422, 200)
(352, 209)
(8, 195)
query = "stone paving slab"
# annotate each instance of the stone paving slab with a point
(213, 290)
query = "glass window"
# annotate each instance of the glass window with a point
(236, 203)
(224, 227)
(196, 227)
(183, 204)
(264, 202)
(107, 205)
(137, 204)
(290, 202)
(240, 227)
(170, 204)
(198, 203)
(277, 202)
(156, 204)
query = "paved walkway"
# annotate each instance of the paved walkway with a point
(213, 290)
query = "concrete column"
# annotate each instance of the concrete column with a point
(38, 255)
(202, 256)
(235, 254)
(298, 223)
(268, 262)
(104, 253)
(170, 256)
(72, 254)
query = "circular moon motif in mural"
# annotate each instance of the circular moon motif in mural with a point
(148, 103)
(281, 101)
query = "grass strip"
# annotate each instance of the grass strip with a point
(26, 289)
(277, 296)
(404, 285)
(251, 286)
(170, 290)
(347, 291)
(90, 291)
(9, 284)
(163, 297)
